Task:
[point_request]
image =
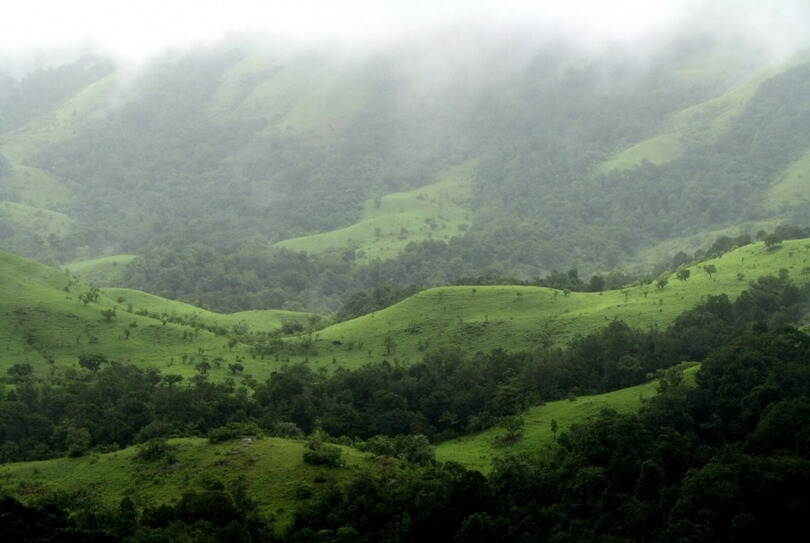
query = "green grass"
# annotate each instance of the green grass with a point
(438, 211)
(101, 272)
(659, 149)
(309, 95)
(477, 451)
(516, 318)
(42, 318)
(43, 322)
(791, 187)
(273, 468)
(37, 220)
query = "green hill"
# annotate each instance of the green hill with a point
(46, 321)
(389, 223)
(276, 475)
(516, 317)
(101, 272)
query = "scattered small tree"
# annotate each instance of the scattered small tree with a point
(172, 379)
(108, 314)
(389, 344)
(711, 269)
(514, 430)
(236, 367)
(683, 274)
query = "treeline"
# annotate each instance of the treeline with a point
(108, 406)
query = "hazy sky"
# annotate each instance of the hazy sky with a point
(139, 28)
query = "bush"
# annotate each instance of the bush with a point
(153, 450)
(321, 454)
(233, 430)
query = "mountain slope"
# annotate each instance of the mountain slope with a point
(572, 160)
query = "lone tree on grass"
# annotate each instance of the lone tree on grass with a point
(108, 314)
(683, 274)
(711, 269)
(772, 241)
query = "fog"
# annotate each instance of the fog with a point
(39, 32)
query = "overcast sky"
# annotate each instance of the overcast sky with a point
(139, 28)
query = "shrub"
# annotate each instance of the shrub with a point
(233, 430)
(322, 454)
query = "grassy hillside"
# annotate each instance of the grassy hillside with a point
(515, 317)
(273, 468)
(309, 95)
(737, 78)
(101, 272)
(34, 220)
(388, 223)
(45, 322)
(257, 321)
(477, 451)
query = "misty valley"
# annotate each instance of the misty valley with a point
(481, 286)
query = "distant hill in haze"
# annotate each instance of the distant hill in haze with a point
(414, 165)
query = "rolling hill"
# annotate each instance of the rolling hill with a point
(45, 321)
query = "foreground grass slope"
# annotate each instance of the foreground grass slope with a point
(276, 475)
(517, 317)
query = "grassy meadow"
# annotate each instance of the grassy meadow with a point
(521, 317)
(276, 475)
(45, 322)
(100, 272)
